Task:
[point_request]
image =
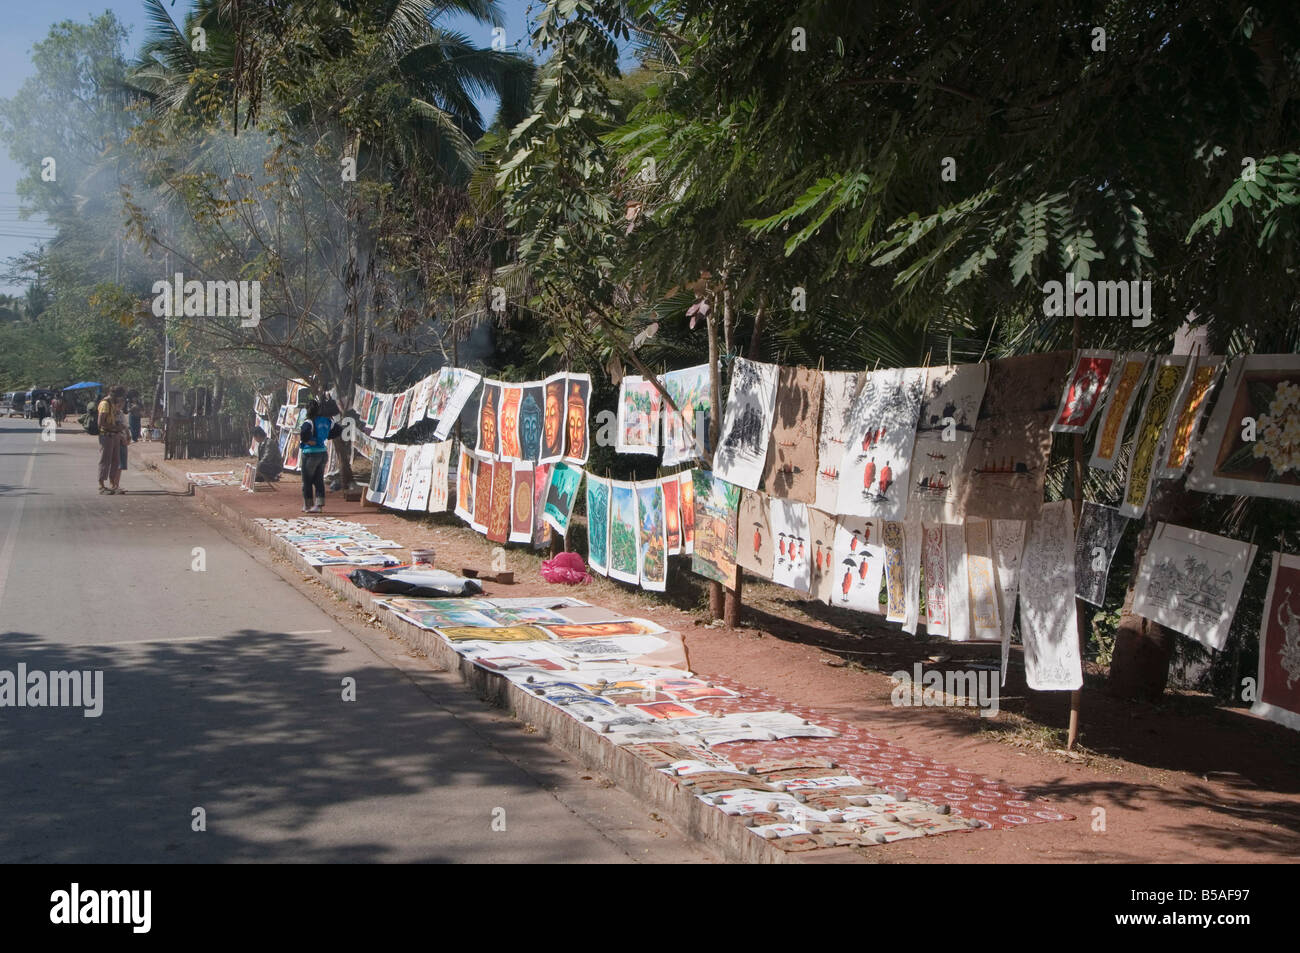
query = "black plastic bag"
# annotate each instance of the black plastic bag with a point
(372, 581)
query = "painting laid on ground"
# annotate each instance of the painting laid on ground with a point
(1005, 468)
(746, 424)
(877, 462)
(790, 472)
(1191, 581)
(949, 410)
(1262, 459)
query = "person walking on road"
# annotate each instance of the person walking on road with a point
(110, 438)
(314, 437)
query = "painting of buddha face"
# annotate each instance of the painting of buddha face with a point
(487, 419)
(553, 420)
(576, 414)
(508, 421)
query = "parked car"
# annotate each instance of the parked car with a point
(14, 404)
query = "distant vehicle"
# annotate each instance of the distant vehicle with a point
(14, 403)
(35, 396)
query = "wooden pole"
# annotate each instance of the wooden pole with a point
(1076, 696)
(716, 599)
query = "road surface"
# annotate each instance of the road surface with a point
(223, 691)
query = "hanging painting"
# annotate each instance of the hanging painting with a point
(466, 471)
(1085, 391)
(439, 475)
(1101, 528)
(541, 487)
(949, 411)
(553, 414)
(397, 421)
(821, 537)
(521, 502)
(911, 575)
(1004, 471)
(790, 472)
(623, 532)
(1008, 547)
(530, 422)
(1196, 396)
(792, 566)
(958, 583)
(755, 548)
(934, 569)
(561, 496)
(1250, 446)
(1115, 414)
(1279, 645)
(1048, 624)
(877, 462)
(687, 481)
(859, 564)
(746, 424)
(577, 444)
(652, 543)
(686, 430)
(498, 528)
(451, 392)
(715, 504)
(638, 416)
(1154, 424)
(598, 524)
(396, 468)
(891, 536)
(839, 388)
(487, 419)
(508, 422)
(672, 513)
(483, 494)
(1191, 581)
(985, 617)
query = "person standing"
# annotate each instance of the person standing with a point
(313, 438)
(110, 437)
(124, 423)
(59, 408)
(133, 418)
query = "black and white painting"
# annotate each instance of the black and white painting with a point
(747, 424)
(949, 410)
(1100, 530)
(1048, 623)
(839, 388)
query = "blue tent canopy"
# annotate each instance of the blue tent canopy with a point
(83, 385)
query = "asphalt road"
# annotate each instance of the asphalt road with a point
(223, 690)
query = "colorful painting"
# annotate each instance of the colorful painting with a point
(839, 388)
(949, 410)
(1191, 581)
(1119, 404)
(672, 513)
(451, 392)
(439, 476)
(604, 630)
(934, 566)
(505, 633)
(1279, 645)
(792, 565)
(521, 506)
(821, 537)
(398, 419)
(553, 418)
(791, 469)
(508, 422)
(1048, 623)
(598, 524)
(1263, 459)
(487, 419)
(466, 471)
(372, 413)
(291, 451)
(1196, 397)
(715, 506)
(687, 482)
(686, 430)
(876, 466)
(483, 494)
(393, 484)
(541, 486)
(985, 615)
(1085, 391)
(419, 404)
(1005, 468)
(1101, 528)
(623, 541)
(561, 494)
(380, 476)
(498, 527)
(1155, 422)
(746, 424)
(421, 478)
(530, 422)
(859, 564)
(577, 445)
(402, 480)
(652, 540)
(755, 547)
(638, 416)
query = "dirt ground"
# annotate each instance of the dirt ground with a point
(1186, 781)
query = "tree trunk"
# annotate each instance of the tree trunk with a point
(716, 602)
(733, 601)
(1139, 666)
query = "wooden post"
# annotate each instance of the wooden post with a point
(716, 599)
(1076, 696)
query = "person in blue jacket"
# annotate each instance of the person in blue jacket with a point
(314, 437)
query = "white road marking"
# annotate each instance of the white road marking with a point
(11, 533)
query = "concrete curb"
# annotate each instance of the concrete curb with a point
(720, 833)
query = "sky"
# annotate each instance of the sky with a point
(26, 24)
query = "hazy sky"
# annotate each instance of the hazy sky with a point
(28, 23)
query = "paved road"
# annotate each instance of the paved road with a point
(222, 690)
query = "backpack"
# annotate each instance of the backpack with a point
(92, 422)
